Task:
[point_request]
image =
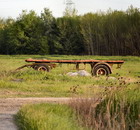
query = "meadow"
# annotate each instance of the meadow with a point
(118, 96)
(30, 83)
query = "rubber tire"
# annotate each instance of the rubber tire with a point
(44, 66)
(101, 66)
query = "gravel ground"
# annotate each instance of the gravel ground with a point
(10, 106)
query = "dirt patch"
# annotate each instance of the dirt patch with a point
(10, 106)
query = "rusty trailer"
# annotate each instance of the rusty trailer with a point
(98, 67)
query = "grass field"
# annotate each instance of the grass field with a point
(120, 93)
(31, 83)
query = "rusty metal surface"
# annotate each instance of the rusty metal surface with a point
(29, 65)
(36, 64)
(75, 61)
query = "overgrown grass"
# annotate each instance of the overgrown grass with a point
(47, 117)
(31, 83)
(118, 108)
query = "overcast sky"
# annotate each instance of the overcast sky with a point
(12, 8)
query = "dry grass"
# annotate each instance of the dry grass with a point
(89, 115)
(118, 108)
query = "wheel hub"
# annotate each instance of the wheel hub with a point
(101, 71)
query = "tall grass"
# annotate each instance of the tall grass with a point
(47, 117)
(116, 109)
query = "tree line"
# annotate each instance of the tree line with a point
(101, 33)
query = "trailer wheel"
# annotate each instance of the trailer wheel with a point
(42, 67)
(101, 69)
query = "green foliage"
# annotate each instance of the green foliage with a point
(111, 33)
(101, 33)
(70, 37)
(47, 117)
(30, 34)
(51, 31)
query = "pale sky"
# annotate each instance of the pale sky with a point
(12, 8)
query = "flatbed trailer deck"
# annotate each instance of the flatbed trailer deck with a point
(75, 61)
(98, 67)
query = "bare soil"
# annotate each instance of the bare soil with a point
(10, 106)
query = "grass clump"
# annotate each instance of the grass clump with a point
(47, 117)
(116, 109)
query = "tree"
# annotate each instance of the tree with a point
(102, 33)
(25, 35)
(88, 28)
(5, 25)
(133, 31)
(51, 31)
(70, 36)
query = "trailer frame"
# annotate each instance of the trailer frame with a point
(98, 67)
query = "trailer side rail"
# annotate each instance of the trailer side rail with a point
(75, 61)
